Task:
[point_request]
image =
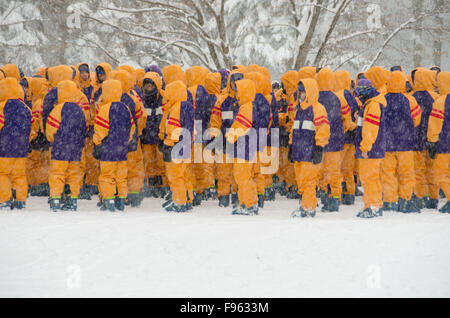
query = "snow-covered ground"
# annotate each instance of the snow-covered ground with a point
(210, 253)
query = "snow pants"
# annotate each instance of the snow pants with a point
(442, 172)
(306, 174)
(113, 176)
(348, 168)
(370, 174)
(397, 175)
(64, 172)
(153, 161)
(426, 184)
(225, 179)
(203, 171)
(244, 173)
(13, 176)
(38, 165)
(332, 173)
(92, 165)
(136, 172)
(286, 170)
(176, 174)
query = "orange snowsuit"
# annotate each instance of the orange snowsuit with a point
(38, 162)
(107, 125)
(289, 80)
(244, 171)
(13, 140)
(136, 173)
(332, 160)
(426, 184)
(306, 173)
(65, 162)
(179, 112)
(437, 124)
(370, 168)
(398, 165)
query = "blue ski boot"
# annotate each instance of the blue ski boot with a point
(197, 199)
(407, 206)
(70, 204)
(55, 204)
(108, 204)
(6, 205)
(260, 201)
(431, 203)
(390, 206)
(348, 199)
(269, 194)
(119, 203)
(19, 205)
(224, 201)
(234, 198)
(134, 200)
(371, 212)
(445, 208)
(300, 212)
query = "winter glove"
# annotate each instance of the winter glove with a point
(290, 154)
(161, 145)
(90, 131)
(317, 155)
(432, 149)
(352, 134)
(97, 151)
(167, 153)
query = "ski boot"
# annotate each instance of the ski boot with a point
(173, 207)
(119, 203)
(234, 198)
(134, 200)
(282, 188)
(6, 205)
(85, 193)
(243, 210)
(371, 212)
(445, 208)
(390, 206)
(300, 212)
(292, 192)
(431, 203)
(224, 201)
(332, 205)
(70, 204)
(55, 204)
(260, 201)
(108, 204)
(348, 199)
(197, 199)
(210, 194)
(19, 205)
(269, 194)
(407, 206)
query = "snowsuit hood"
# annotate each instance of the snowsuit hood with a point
(258, 80)
(173, 73)
(312, 92)
(37, 87)
(443, 83)
(228, 89)
(155, 78)
(378, 76)
(326, 80)
(67, 92)
(175, 92)
(424, 79)
(80, 82)
(396, 82)
(60, 73)
(246, 91)
(126, 80)
(131, 71)
(343, 79)
(212, 83)
(106, 67)
(140, 73)
(111, 91)
(9, 89)
(11, 70)
(195, 75)
(290, 81)
(307, 72)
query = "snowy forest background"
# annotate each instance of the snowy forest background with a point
(278, 34)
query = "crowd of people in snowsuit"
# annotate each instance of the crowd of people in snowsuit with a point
(126, 134)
